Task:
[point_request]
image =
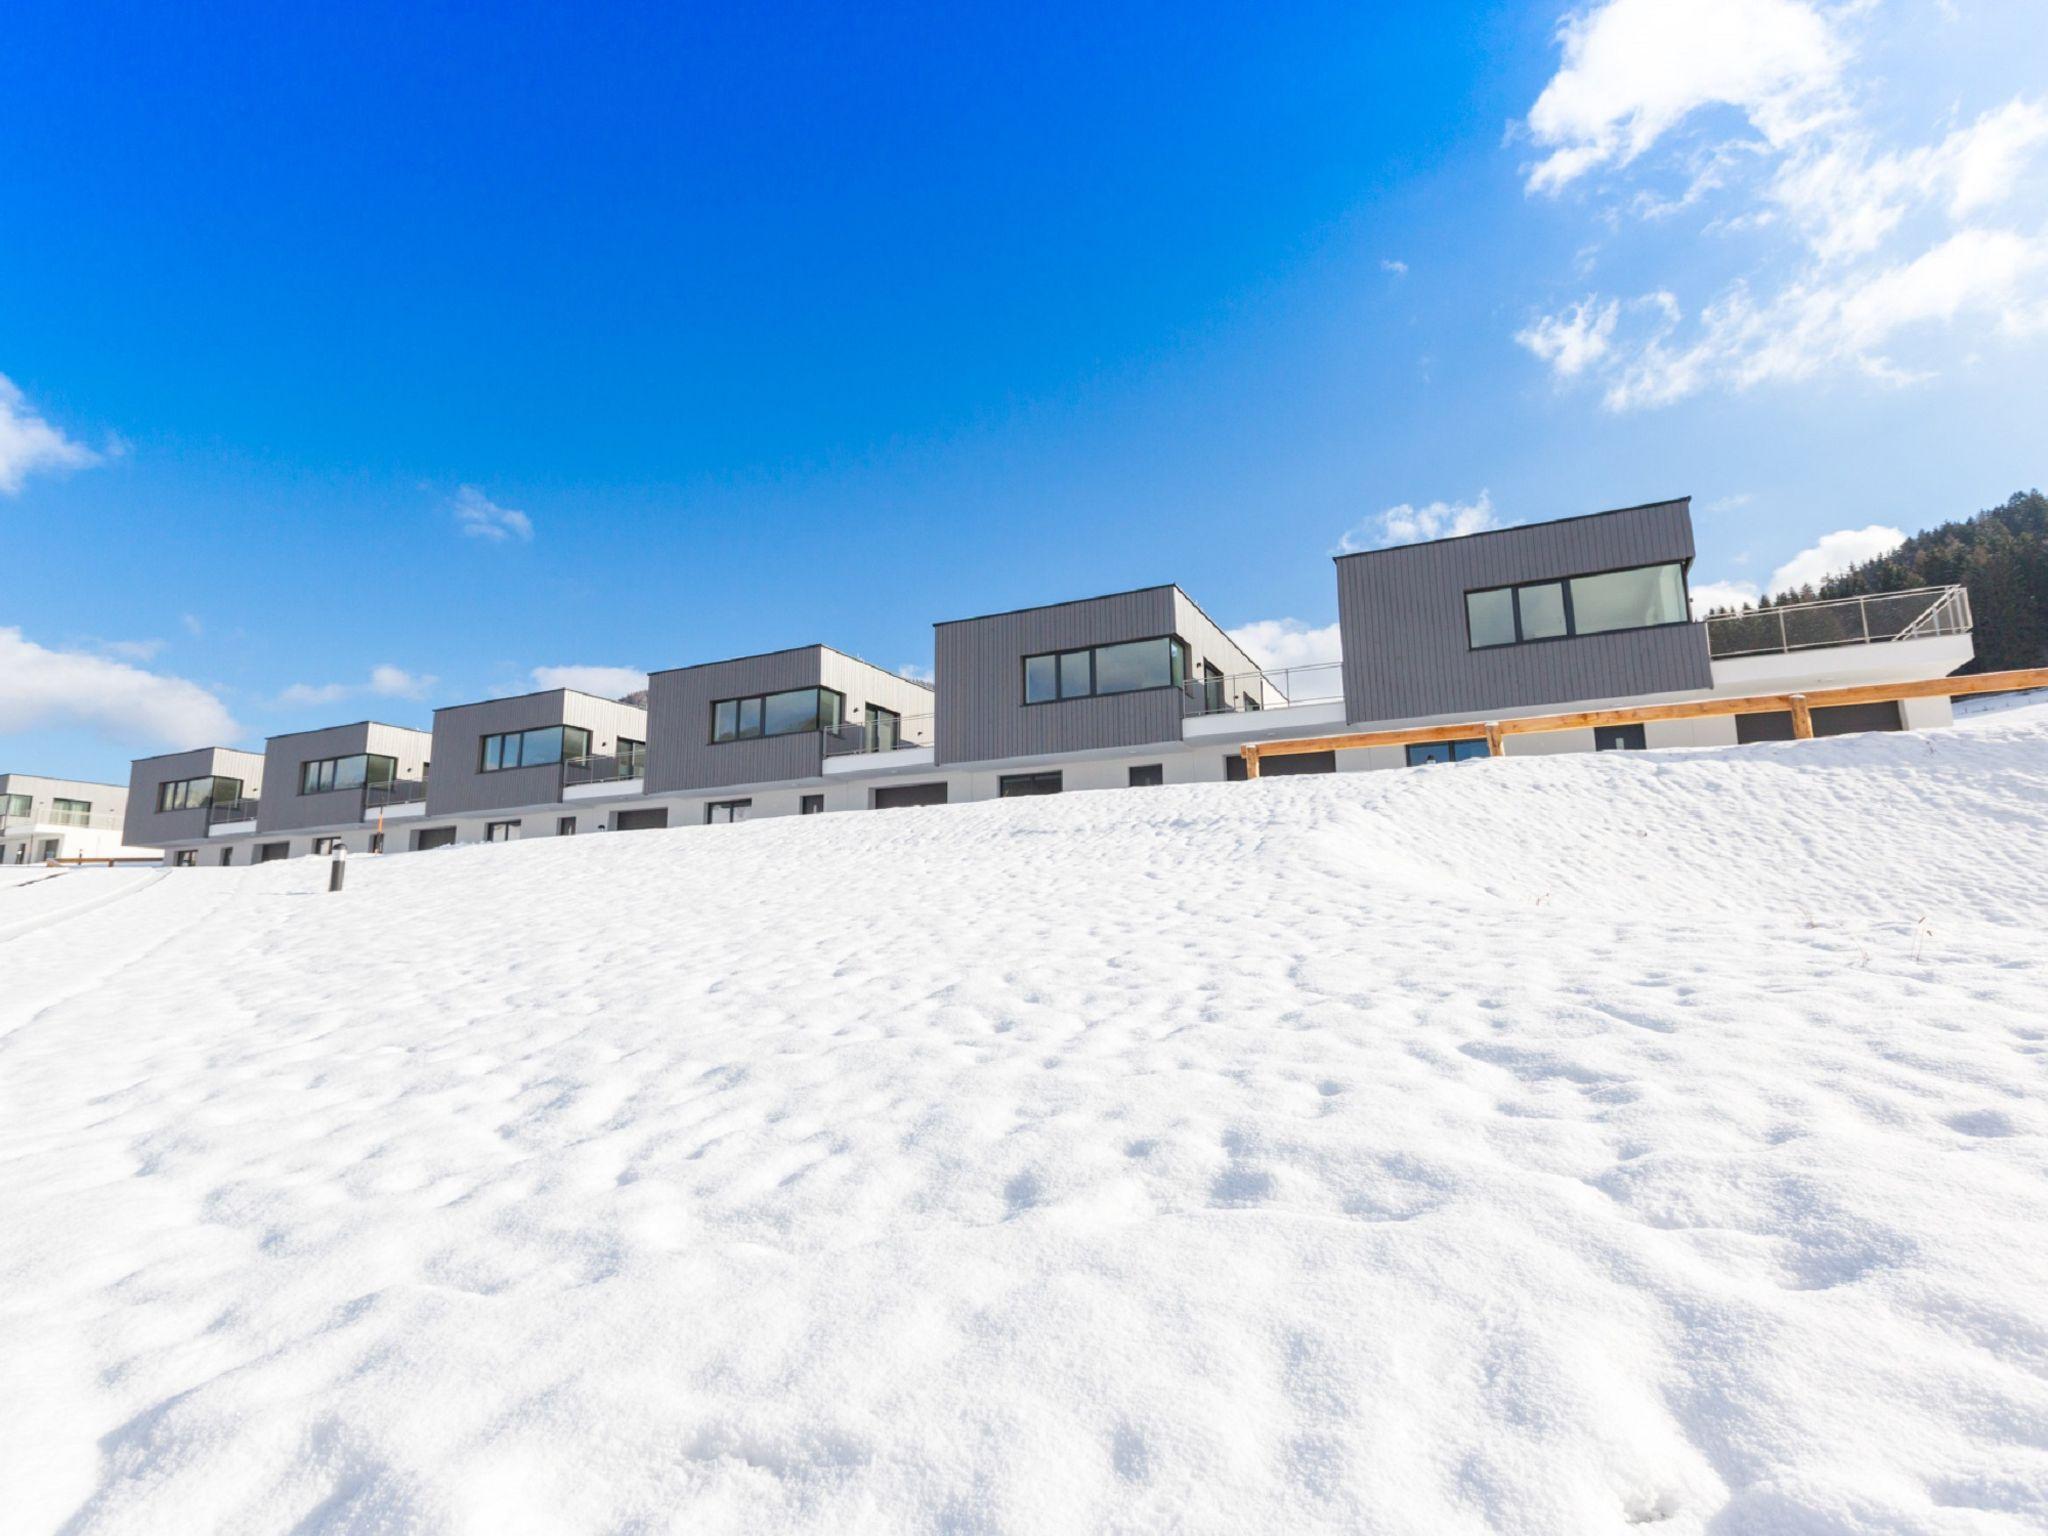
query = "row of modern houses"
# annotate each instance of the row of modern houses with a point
(1117, 692)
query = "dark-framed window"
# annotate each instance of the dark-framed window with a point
(1012, 786)
(632, 758)
(271, 853)
(1148, 775)
(185, 858)
(322, 775)
(1234, 769)
(197, 794)
(227, 857)
(501, 831)
(376, 842)
(565, 826)
(1619, 738)
(884, 729)
(719, 812)
(425, 838)
(1635, 597)
(788, 713)
(1129, 666)
(538, 747)
(811, 805)
(323, 846)
(1463, 750)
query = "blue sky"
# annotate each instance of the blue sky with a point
(365, 361)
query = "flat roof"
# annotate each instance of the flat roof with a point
(1072, 602)
(1548, 522)
(60, 778)
(188, 751)
(535, 693)
(315, 730)
(791, 650)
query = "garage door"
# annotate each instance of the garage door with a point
(1840, 720)
(433, 837)
(896, 796)
(1278, 767)
(639, 821)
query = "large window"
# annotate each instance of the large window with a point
(777, 714)
(197, 794)
(723, 812)
(501, 831)
(325, 774)
(1123, 668)
(1639, 598)
(1447, 751)
(16, 805)
(535, 748)
(71, 813)
(632, 758)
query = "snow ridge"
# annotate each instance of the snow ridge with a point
(1577, 1144)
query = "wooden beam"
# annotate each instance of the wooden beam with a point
(1493, 731)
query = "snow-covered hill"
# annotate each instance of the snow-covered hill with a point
(1568, 1145)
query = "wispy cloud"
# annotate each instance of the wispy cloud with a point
(1275, 643)
(608, 682)
(193, 626)
(1834, 553)
(45, 689)
(917, 672)
(1859, 256)
(1398, 268)
(30, 445)
(1408, 524)
(1728, 503)
(132, 650)
(384, 682)
(479, 517)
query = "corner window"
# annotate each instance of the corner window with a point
(789, 713)
(1641, 597)
(331, 773)
(197, 794)
(1129, 666)
(17, 805)
(1463, 751)
(540, 747)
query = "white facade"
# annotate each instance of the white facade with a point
(43, 818)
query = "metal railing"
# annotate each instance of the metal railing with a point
(604, 768)
(23, 821)
(1872, 619)
(1275, 688)
(222, 811)
(878, 735)
(396, 792)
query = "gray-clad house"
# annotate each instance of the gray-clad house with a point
(1582, 609)
(332, 777)
(775, 719)
(175, 797)
(1093, 675)
(501, 765)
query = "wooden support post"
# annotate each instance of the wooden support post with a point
(1251, 761)
(1494, 745)
(1802, 718)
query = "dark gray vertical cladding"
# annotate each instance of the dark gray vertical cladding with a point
(980, 664)
(1407, 652)
(285, 809)
(147, 827)
(459, 786)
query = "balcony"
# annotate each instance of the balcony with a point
(221, 812)
(46, 818)
(601, 768)
(378, 797)
(862, 738)
(1882, 618)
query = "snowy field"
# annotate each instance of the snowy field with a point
(1573, 1145)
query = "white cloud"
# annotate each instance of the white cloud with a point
(132, 650)
(192, 625)
(1634, 69)
(30, 445)
(1407, 524)
(1856, 257)
(607, 682)
(1398, 268)
(1276, 643)
(918, 672)
(482, 518)
(1833, 554)
(384, 682)
(1729, 503)
(1709, 595)
(42, 689)
(1572, 341)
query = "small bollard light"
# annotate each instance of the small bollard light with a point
(338, 868)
